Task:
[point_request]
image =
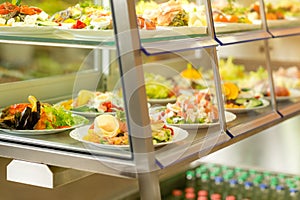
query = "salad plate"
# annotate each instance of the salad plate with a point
(26, 30)
(88, 114)
(107, 34)
(228, 115)
(294, 93)
(288, 21)
(162, 101)
(222, 27)
(87, 33)
(79, 133)
(266, 103)
(80, 121)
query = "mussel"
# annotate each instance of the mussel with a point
(25, 120)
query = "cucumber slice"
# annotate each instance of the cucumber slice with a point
(241, 101)
(47, 23)
(249, 102)
(254, 103)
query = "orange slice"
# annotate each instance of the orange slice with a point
(230, 90)
(191, 73)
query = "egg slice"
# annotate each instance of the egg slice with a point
(106, 125)
(173, 107)
(84, 96)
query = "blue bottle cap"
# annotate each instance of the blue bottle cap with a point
(233, 181)
(219, 179)
(279, 187)
(293, 190)
(248, 184)
(263, 186)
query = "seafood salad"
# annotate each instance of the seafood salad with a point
(21, 15)
(197, 108)
(37, 116)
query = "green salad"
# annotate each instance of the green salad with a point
(158, 87)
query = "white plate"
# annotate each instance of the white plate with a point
(162, 101)
(87, 34)
(43, 132)
(294, 93)
(222, 27)
(183, 30)
(26, 30)
(79, 133)
(228, 115)
(85, 114)
(109, 34)
(289, 21)
(242, 110)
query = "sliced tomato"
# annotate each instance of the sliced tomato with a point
(166, 127)
(79, 25)
(141, 22)
(150, 25)
(13, 109)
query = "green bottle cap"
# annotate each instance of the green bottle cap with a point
(256, 182)
(281, 176)
(245, 175)
(224, 168)
(217, 171)
(241, 179)
(237, 169)
(274, 179)
(252, 171)
(267, 174)
(273, 184)
(204, 177)
(190, 174)
(198, 172)
(289, 181)
(203, 168)
(292, 185)
(297, 178)
(228, 176)
(259, 177)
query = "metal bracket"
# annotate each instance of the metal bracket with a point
(41, 175)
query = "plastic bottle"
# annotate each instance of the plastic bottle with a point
(205, 182)
(190, 179)
(263, 192)
(198, 172)
(230, 197)
(272, 189)
(202, 198)
(189, 190)
(247, 191)
(176, 195)
(202, 193)
(215, 196)
(293, 194)
(218, 185)
(190, 196)
(280, 193)
(281, 177)
(233, 188)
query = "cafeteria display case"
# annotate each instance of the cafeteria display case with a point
(208, 62)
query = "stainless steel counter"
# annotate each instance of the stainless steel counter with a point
(275, 149)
